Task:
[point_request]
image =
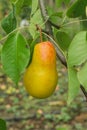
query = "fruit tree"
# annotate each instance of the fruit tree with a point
(36, 33)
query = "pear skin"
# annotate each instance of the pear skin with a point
(41, 77)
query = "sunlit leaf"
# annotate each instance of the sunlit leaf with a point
(59, 2)
(63, 40)
(36, 19)
(77, 53)
(82, 76)
(77, 9)
(15, 56)
(74, 85)
(13, 1)
(21, 4)
(9, 23)
(34, 6)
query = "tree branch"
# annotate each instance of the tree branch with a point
(84, 92)
(49, 30)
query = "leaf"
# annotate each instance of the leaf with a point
(36, 19)
(77, 53)
(0, 49)
(27, 3)
(15, 56)
(84, 23)
(57, 14)
(59, 2)
(33, 43)
(66, 1)
(20, 5)
(2, 125)
(74, 85)
(13, 1)
(9, 23)
(77, 9)
(63, 40)
(53, 15)
(82, 76)
(34, 6)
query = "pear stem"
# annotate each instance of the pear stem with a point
(40, 31)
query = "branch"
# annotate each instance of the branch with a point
(84, 92)
(49, 29)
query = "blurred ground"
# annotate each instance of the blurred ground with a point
(23, 112)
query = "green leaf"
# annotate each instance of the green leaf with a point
(34, 6)
(52, 12)
(66, 1)
(57, 14)
(74, 85)
(13, 1)
(9, 23)
(33, 43)
(2, 125)
(21, 4)
(0, 49)
(36, 19)
(27, 3)
(77, 9)
(15, 56)
(63, 40)
(84, 23)
(77, 53)
(59, 2)
(53, 15)
(82, 76)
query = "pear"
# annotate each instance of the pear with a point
(40, 78)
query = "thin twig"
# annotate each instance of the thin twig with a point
(76, 21)
(84, 92)
(17, 29)
(40, 31)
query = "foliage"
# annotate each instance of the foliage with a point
(9, 23)
(2, 125)
(63, 40)
(17, 51)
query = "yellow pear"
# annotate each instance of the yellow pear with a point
(40, 78)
